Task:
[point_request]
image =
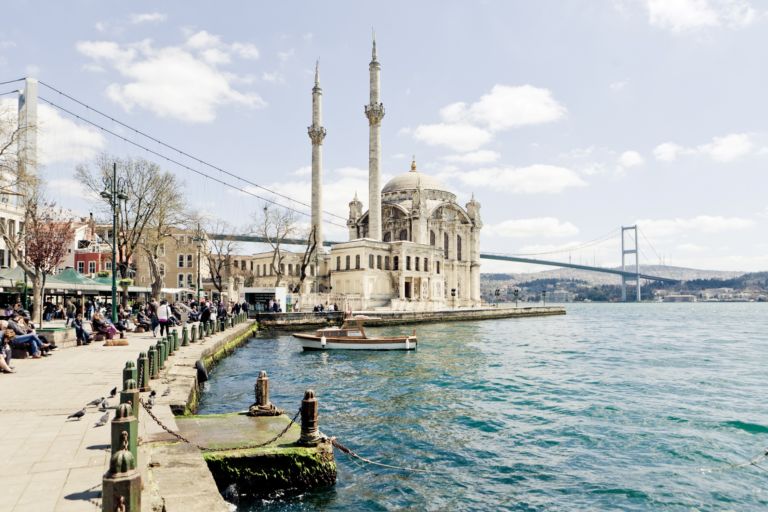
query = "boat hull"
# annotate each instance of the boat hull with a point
(311, 342)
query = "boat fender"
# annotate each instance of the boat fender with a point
(202, 373)
(322, 341)
(407, 343)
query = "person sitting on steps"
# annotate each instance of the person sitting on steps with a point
(101, 326)
(83, 338)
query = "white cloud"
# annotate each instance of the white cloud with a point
(548, 227)
(69, 187)
(507, 107)
(148, 17)
(681, 16)
(246, 50)
(476, 157)
(303, 171)
(181, 82)
(274, 77)
(287, 54)
(618, 85)
(534, 179)
(707, 224)
(629, 159)
(458, 137)
(721, 149)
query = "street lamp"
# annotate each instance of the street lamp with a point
(198, 239)
(544, 297)
(114, 192)
(516, 293)
(497, 292)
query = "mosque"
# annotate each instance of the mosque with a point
(415, 249)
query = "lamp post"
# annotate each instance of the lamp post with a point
(114, 192)
(199, 239)
(516, 293)
(544, 297)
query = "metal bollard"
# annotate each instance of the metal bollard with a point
(154, 365)
(129, 372)
(261, 389)
(121, 484)
(175, 340)
(184, 337)
(193, 334)
(125, 421)
(169, 341)
(130, 394)
(214, 326)
(160, 354)
(143, 371)
(310, 433)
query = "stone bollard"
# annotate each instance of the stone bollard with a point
(176, 340)
(130, 394)
(169, 342)
(143, 372)
(154, 364)
(121, 485)
(125, 421)
(310, 433)
(129, 372)
(184, 337)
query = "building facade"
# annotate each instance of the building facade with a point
(182, 261)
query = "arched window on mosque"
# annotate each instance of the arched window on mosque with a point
(347, 261)
(458, 247)
(387, 236)
(386, 262)
(370, 261)
(403, 234)
(395, 263)
(357, 261)
(432, 241)
(445, 244)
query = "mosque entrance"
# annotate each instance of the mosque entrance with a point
(408, 290)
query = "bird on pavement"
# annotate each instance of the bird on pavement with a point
(166, 392)
(113, 392)
(77, 415)
(152, 394)
(151, 402)
(103, 420)
(103, 406)
(95, 401)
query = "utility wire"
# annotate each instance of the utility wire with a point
(181, 152)
(180, 164)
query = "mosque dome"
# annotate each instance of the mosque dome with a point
(411, 181)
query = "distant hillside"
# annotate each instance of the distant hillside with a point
(596, 278)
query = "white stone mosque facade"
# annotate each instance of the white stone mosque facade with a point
(415, 249)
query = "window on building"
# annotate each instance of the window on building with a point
(445, 244)
(251, 265)
(403, 234)
(107, 265)
(370, 261)
(458, 247)
(189, 261)
(432, 238)
(347, 262)
(91, 267)
(181, 261)
(263, 269)
(338, 262)
(282, 268)
(387, 236)
(80, 265)
(190, 281)
(290, 269)
(407, 263)
(437, 266)
(395, 263)
(357, 261)
(378, 261)
(161, 266)
(161, 250)
(180, 280)
(386, 262)
(426, 264)
(312, 270)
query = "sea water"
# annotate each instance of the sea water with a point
(610, 407)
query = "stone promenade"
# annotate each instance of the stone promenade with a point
(50, 463)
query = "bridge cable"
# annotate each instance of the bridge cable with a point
(180, 164)
(649, 243)
(12, 81)
(9, 92)
(589, 243)
(173, 148)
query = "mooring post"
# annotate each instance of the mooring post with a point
(130, 394)
(143, 371)
(121, 485)
(125, 421)
(154, 367)
(184, 336)
(193, 334)
(129, 372)
(310, 433)
(261, 388)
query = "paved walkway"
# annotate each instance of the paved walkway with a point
(50, 463)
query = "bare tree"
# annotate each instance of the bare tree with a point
(40, 244)
(148, 189)
(275, 225)
(308, 256)
(16, 163)
(220, 252)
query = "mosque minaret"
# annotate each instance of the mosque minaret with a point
(316, 135)
(374, 111)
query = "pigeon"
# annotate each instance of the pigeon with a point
(77, 415)
(152, 394)
(103, 420)
(151, 402)
(104, 405)
(113, 392)
(95, 401)
(166, 392)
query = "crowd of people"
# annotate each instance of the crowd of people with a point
(93, 318)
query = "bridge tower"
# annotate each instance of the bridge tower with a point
(630, 249)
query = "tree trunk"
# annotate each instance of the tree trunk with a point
(37, 299)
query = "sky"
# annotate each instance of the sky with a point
(565, 119)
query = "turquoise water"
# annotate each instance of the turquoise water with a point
(611, 407)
